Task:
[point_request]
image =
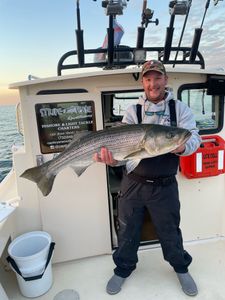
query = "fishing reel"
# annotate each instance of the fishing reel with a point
(114, 7)
(147, 17)
(178, 7)
(216, 2)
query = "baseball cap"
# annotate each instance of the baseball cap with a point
(153, 65)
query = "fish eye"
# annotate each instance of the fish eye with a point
(170, 135)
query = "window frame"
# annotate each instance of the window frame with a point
(203, 85)
(120, 92)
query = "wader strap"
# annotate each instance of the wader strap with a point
(172, 108)
(173, 117)
(139, 117)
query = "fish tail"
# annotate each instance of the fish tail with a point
(79, 170)
(41, 177)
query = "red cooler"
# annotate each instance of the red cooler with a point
(207, 161)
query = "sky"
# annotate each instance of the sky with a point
(36, 33)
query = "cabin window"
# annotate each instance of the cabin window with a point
(121, 101)
(116, 103)
(208, 109)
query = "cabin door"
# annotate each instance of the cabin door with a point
(114, 105)
(76, 211)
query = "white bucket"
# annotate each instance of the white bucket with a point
(30, 249)
(37, 287)
(30, 252)
(37, 270)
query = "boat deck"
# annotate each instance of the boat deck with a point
(153, 279)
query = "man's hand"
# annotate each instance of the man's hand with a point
(179, 150)
(106, 157)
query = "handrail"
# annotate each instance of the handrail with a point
(119, 62)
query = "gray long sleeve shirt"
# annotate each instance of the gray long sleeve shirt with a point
(185, 118)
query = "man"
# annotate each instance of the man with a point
(152, 184)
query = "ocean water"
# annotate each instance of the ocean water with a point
(9, 136)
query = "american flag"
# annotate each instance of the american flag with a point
(118, 33)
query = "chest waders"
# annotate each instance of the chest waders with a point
(152, 186)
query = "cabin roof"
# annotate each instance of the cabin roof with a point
(92, 72)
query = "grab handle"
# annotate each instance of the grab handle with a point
(209, 140)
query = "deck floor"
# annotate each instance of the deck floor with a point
(153, 278)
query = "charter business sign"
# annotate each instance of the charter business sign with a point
(58, 123)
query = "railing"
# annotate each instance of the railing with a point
(119, 62)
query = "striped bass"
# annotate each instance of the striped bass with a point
(126, 142)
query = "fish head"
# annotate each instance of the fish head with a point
(162, 139)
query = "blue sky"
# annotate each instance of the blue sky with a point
(36, 33)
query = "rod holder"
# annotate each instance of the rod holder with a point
(140, 38)
(80, 47)
(110, 32)
(168, 43)
(195, 44)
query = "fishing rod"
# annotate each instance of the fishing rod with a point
(206, 8)
(146, 18)
(197, 36)
(182, 32)
(80, 38)
(112, 9)
(198, 33)
(143, 11)
(175, 8)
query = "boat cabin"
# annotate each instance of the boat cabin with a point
(81, 213)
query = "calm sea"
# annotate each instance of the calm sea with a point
(9, 136)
